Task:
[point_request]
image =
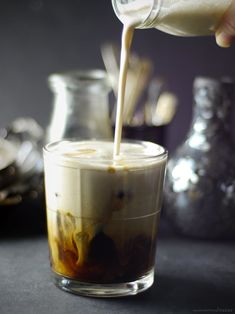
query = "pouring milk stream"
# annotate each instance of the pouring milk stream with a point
(179, 17)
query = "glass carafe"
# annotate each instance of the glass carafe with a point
(80, 106)
(177, 17)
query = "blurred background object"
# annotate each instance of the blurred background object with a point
(138, 76)
(41, 37)
(22, 140)
(200, 181)
(21, 176)
(148, 106)
(80, 105)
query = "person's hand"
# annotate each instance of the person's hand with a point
(225, 34)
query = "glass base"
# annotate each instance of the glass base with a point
(104, 290)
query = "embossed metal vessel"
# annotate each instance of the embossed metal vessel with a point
(200, 181)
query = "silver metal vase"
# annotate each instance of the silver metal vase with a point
(200, 181)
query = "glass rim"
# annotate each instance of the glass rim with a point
(79, 79)
(148, 16)
(163, 153)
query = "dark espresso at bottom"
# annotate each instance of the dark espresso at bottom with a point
(100, 256)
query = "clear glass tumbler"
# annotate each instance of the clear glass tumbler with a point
(103, 215)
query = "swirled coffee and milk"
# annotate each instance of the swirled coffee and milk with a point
(103, 215)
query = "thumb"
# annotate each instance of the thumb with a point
(225, 33)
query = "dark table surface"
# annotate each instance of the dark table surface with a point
(192, 276)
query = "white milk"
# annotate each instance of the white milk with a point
(127, 35)
(81, 177)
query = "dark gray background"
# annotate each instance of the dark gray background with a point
(38, 37)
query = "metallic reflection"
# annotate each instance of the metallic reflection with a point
(200, 181)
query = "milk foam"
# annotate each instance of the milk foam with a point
(82, 179)
(99, 154)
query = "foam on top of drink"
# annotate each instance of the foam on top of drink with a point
(100, 153)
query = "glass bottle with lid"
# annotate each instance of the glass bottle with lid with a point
(176, 17)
